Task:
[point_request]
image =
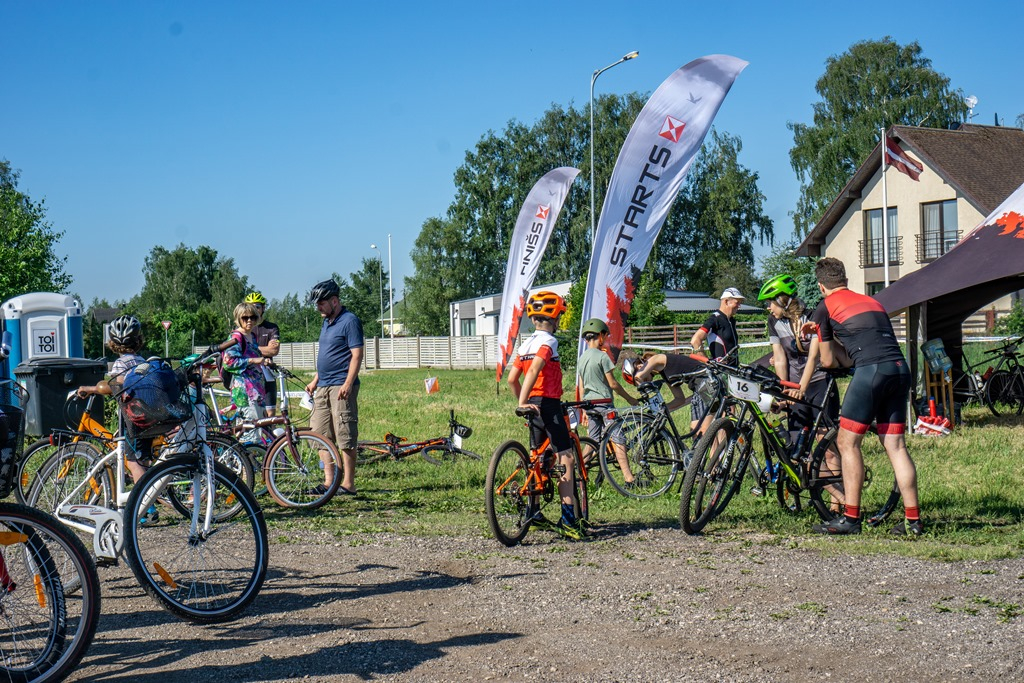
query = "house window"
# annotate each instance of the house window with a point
(468, 327)
(938, 229)
(871, 248)
(872, 288)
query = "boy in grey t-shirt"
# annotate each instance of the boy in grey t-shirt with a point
(598, 383)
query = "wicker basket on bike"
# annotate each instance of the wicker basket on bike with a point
(154, 398)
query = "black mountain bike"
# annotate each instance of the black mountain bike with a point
(808, 469)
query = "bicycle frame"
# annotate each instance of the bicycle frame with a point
(661, 418)
(538, 480)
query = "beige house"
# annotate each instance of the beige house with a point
(966, 174)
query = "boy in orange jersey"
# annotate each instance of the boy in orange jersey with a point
(536, 380)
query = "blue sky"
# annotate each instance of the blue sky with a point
(292, 135)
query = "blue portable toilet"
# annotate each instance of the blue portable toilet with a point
(42, 325)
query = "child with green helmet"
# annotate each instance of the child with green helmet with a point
(597, 383)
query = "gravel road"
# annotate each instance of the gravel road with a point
(630, 604)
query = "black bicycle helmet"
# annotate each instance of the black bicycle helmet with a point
(323, 290)
(125, 330)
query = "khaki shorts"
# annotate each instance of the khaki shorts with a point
(337, 419)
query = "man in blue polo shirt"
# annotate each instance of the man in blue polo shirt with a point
(335, 384)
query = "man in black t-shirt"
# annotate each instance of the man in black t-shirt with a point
(723, 343)
(720, 329)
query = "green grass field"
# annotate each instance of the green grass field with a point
(971, 483)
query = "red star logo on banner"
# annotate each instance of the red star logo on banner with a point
(672, 129)
(542, 211)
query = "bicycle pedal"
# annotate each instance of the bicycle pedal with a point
(756, 491)
(106, 562)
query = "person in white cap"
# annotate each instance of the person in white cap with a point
(720, 329)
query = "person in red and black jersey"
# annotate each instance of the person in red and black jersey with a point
(536, 380)
(854, 330)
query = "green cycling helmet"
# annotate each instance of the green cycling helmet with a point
(780, 285)
(594, 326)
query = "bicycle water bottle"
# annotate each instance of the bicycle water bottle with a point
(801, 440)
(775, 422)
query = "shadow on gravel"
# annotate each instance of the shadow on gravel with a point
(290, 590)
(617, 529)
(367, 660)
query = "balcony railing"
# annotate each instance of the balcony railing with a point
(931, 246)
(871, 252)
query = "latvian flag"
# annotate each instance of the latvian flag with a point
(898, 158)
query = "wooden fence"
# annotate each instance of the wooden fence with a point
(460, 353)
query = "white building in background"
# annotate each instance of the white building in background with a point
(479, 316)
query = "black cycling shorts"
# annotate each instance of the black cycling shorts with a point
(550, 423)
(801, 416)
(877, 393)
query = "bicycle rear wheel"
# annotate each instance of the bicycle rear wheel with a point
(714, 475)
(651, 457)
(294, 469)
(46, 627)
(879, 495)
(231, 453)
(440, 455)
(63, 472)
(31, 462)
(204, 576)
(1004, 393)
(510, 507)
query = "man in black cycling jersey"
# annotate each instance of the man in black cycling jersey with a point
(853, 329)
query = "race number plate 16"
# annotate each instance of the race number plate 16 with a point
(744, 389)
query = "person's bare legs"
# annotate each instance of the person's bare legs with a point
(852, 459)
(906, 473)
(623, 460)
(348, 463)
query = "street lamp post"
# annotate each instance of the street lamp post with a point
(391, 296)
(380, 284)
(593, 78)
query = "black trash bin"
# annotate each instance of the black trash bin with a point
(48, 381)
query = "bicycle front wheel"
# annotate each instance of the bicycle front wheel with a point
(205, 573)
(46, 627)
(510, 506)
(295, 466)
(714, 474)
(647, 464)
(440, 455)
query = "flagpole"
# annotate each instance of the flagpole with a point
(885, 211)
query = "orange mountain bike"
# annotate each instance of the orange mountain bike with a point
(521, 484)
(436, 451)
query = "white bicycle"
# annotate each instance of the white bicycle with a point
(190, 529)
